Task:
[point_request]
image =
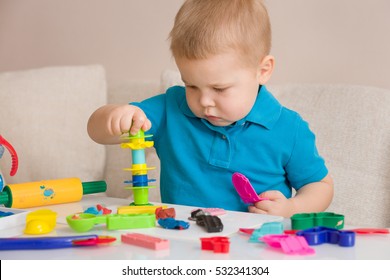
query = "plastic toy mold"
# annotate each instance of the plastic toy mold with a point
(289, 244)
(217, 244)
(84, 222)
(266, 229)
(303, 221)
(40, 222)
(151, 209)
(146, 241)
(371, 230)
(320, 235)
(14, 155)
(244, 189)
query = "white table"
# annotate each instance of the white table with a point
(184, 244)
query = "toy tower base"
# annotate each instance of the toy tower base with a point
(141, 196)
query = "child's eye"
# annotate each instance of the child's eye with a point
(219, 89)
(190, 87)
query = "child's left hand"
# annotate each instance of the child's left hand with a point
(275, 204)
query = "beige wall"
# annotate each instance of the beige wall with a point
(315, 41)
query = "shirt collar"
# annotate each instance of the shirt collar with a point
(265, 112)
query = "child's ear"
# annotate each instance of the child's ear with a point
(265, 69)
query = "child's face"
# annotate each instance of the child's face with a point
(221, 88)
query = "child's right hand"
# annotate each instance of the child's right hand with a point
(107, 123)
(125, 118)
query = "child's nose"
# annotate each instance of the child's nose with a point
(206, 99)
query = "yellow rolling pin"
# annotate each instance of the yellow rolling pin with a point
(33, 194)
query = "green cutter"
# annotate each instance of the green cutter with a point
(303, 221)
(85, 221)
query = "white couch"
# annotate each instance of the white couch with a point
(44, 114)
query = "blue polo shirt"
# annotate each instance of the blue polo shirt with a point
(272, 146)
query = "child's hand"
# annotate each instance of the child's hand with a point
(124, 118)
(275, 204)
(107, 123)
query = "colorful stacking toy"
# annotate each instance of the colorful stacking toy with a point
(140, 181)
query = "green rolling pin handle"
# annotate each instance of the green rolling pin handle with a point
(4, 197)
(94, 187)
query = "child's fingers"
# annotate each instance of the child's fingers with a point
(115, 127)
(253, 209)
(264, 205)
(272, 195)
(125, 123)
(138, 122)
(147, 125)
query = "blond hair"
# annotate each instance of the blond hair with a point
(208, 27)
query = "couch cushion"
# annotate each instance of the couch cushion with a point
(352, 125)
(44, 115)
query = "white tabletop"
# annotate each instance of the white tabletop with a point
(184, 244)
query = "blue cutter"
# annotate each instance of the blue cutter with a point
(320, 235)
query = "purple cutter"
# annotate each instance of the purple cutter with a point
(245, 189)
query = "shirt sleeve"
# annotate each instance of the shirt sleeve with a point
(305, 164)
(154, 108)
